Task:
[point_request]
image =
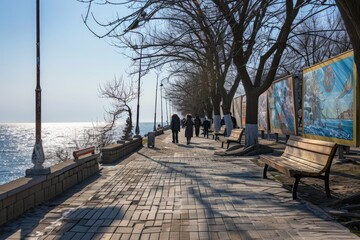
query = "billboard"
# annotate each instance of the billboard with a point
(282, 107)
(263, 119)
(329, 100)
(237, 110)
(243, 111)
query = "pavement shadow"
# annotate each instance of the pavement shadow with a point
(238, 192)
(346, 175)
(93, 222)
(196, 145)
(29, 222)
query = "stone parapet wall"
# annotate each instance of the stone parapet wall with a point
(20, 195)
(114, 152)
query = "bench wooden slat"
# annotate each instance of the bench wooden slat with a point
(221, 132)
(274, 162)
(300, 162)
(312, 141)
(235, 137)
(290, 167)
(324, 149)
(82, 152)
(308, 155)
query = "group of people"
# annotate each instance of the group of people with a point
(188, 123)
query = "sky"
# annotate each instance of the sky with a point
(74, 63)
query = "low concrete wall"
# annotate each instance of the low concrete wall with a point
(114, 152)
(25, 193)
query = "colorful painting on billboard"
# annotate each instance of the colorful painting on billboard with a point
(263, 120)
(243, 111)
(237, 109)
(281, 107)
(329, 109)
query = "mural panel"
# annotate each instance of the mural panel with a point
(237, 110)
(281, 107)
(263, 120)
(329, 100)
(243, 111)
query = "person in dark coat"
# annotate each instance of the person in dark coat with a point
(183, 122)
(175, 127)
(222, 122)
(206, 125)
(233, 119)
(189, 128)
(197, 123)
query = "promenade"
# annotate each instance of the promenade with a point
(177, 191)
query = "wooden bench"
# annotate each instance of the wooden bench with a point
(235, 137)
(82, 152)
(303, 158)
(221, 132)
(211, 129)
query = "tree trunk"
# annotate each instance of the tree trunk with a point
(217, 112)
(251, 127)
(350, 13)
(217, 120)
(228, 123)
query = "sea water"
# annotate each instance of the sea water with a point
(17, 142)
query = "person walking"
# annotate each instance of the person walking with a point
(175, 127)
(206, 126)
(233, 119)
(189, 128)
(197, 123)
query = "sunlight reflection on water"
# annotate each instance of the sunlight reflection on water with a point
(17, 141)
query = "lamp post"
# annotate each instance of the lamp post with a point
(38, 156)
(137, 129)
(157, 78)
(133, 26)
(167, 112)
(161, 104)
(170, 108)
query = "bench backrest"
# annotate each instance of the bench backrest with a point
(222, 128)
(317, 154)
(237, 133)
(82, 152)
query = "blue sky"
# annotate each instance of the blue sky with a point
(73, 64)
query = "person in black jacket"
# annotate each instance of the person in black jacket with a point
(189, 128)
(206, 125)
(197, 122)
(175, 127)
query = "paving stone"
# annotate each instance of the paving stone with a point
(177, 191)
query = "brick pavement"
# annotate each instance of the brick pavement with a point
(177, 192)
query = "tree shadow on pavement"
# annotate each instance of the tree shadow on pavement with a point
(208, 188)
(31, 223)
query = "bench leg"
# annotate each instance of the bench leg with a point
(294, 189)
(228, 145)
(265, 171)
(327, 187)
(222, 144)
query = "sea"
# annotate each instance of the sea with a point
(17, 142)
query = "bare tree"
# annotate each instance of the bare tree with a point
(260, 30)
(190, 93)
(314, 41)
(121, 95)
(252, 34)
(189, 34)
(349, 10)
